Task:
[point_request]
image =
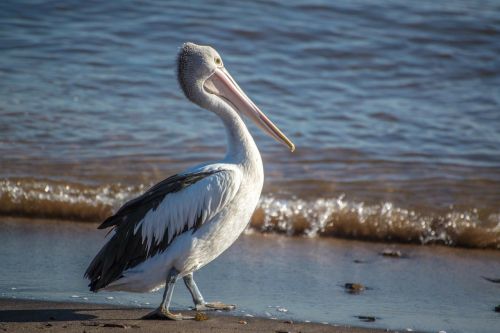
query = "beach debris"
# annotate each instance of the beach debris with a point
(90, 323)
(48, 325)
(288, 321)
(358, 261)
(367, 319)
(280, 309)
(354, 288)
(491, 280)
(249, 315)
(110, 297)
(391, 253)
(108, 325)
(200, 316)
(242, 322)
(282, 331)
(116, 325)
(497, 308)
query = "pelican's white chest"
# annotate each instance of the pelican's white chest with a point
(218, 234)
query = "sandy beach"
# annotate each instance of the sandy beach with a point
(30, 316)
(429, 288)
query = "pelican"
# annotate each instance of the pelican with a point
(187, 220)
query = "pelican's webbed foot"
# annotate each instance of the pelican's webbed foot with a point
(200, 304)
(163, 314)
(215, 306)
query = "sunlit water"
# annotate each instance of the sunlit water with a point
(390, 104)
(432, 289)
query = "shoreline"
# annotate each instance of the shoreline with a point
(422, 290)
(92, 225)
(35, 315)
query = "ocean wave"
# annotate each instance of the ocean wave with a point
(338, 217)
(319, 217)
(62, 200)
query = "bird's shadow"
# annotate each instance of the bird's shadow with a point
(41, 315)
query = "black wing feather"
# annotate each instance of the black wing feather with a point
(125, 249)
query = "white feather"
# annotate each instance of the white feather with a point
(180, 209)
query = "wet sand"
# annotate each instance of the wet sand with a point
(31, 316)
(429, 288)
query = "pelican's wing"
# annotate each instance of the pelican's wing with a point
(148, 224)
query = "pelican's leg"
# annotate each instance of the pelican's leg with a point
(199, 302)
(163, 311)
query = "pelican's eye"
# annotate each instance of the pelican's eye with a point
(218, 62)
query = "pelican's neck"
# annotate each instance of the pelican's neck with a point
(241, 148)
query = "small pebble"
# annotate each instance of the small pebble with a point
(368, 319)
(242, 322)
(354, 287)
(200, 316)
(288, 322)
(391, 253)
(115, 325)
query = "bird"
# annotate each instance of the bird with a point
(187, 220)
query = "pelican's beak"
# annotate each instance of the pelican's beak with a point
(223, 85)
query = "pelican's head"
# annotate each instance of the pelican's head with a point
(206, 82)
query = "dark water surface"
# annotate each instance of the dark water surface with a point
(394, 108)
(432, 289)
